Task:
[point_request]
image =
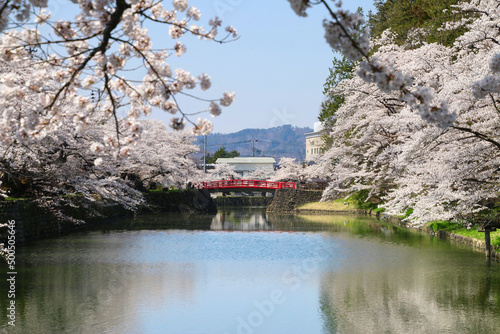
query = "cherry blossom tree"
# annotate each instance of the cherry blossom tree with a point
(289, 170)
(261, 173)
(62, 164)
(292, 170)
(159, 156)
(222, 171)
(348, 34)
(65, 162)
(90, 161)
(419, 125)
(88, 60)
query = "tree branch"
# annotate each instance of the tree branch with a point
(478, 135)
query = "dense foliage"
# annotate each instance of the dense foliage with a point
(418, 21)
(342, 69)
(221, 153)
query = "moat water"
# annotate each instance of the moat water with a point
(243, 271)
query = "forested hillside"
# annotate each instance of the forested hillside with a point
(277, 142)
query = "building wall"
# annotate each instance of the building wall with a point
(286, 200)
(245, 169)
(314, 142)
(246, 165)
(252, 167)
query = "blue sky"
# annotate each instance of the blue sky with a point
(277, 68)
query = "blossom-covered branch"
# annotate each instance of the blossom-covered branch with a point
(348, 34)
(93, 54)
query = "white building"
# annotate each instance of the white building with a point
(246, 165)
(314, 141)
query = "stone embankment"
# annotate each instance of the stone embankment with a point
(223, 201)
(287, 200)
(37, 219)
(476, 244)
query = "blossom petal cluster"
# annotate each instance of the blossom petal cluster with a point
(300, 6)
(344, 35)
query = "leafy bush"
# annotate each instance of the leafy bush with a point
(361, 201)
(442, 225)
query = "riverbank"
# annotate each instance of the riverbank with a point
(453, 236)
(50, 217)
(343, 207)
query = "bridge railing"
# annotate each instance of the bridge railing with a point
(255, 184)
(288, 185)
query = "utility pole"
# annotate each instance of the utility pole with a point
(253, 147)
(205, 154)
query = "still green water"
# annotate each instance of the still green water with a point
(243, 271)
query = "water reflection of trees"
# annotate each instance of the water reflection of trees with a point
(365, 227)
(428, 287)
(241, 219)
(404, 284)
(97, 291)
(256, 219)
(420, 297)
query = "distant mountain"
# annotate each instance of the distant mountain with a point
(278, 142)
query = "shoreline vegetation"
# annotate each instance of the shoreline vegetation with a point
(441, 229)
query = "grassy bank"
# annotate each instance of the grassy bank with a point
(336, 205)
(460, 229)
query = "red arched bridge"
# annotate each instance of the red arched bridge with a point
(244, 185)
